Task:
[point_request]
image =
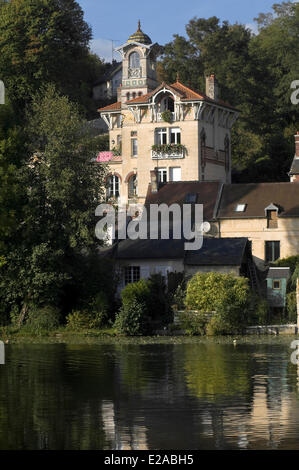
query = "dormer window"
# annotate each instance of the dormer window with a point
(272, 216)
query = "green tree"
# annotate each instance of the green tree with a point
(42, 42)
(63, 188)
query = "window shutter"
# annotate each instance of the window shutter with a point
(144, 272)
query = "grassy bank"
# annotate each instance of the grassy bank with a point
(10, 334)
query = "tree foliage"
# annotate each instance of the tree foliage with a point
(46, 41)
(255, 73)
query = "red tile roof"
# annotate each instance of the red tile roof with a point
(185, 93)
(111, 107)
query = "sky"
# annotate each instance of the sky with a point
(117, 19)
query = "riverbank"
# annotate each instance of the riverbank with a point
(263, 334)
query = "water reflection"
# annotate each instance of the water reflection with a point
(189, 395)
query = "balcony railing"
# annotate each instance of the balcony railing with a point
(168, 151)
(160, 118)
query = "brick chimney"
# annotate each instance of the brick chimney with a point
(294, 172)
(212, 89)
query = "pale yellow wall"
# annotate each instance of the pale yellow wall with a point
(143, 163)
(256, 230)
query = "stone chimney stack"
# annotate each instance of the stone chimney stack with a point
(294, 172)
(154, 181)
(212, 89)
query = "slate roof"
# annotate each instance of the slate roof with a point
(278, 273)
(144, 249)
(218, 252)
(176, 192)
(258, 196)
(214, 252)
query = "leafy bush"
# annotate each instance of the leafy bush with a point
(226, 294)
(84, 320)
(193, 323)
(43, 318)
(132, 318)
(136, 291)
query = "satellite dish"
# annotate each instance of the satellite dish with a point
(205, 227)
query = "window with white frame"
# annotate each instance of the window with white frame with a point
(113, 186)
(162, 175)
(161, 136)
(175, 135)
(164, 135)
(131, 274)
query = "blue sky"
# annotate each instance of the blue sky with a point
(160, 19)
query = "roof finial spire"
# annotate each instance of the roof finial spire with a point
(139, 26)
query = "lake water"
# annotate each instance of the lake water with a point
(150, 394)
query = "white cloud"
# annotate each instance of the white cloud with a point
(103, 48)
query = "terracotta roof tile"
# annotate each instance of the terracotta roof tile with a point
(185, 93)
(111, 107)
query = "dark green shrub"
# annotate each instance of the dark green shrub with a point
(132, 319)
(259, 311)
(45, 318)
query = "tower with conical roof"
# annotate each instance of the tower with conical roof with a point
(139, 75)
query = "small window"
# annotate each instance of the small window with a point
(276, 284)
(134, 147)
(132, 274)
(128, 96)
(162, 175)
(113, 186)
(191, 198)
(133, 133)
(140, 93)
(240, 207)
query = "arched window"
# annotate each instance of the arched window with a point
(167, 104)
(128, 96)
(134, 60)
(113, 186)
(132, 186)
(134, 95)
(140, 93)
